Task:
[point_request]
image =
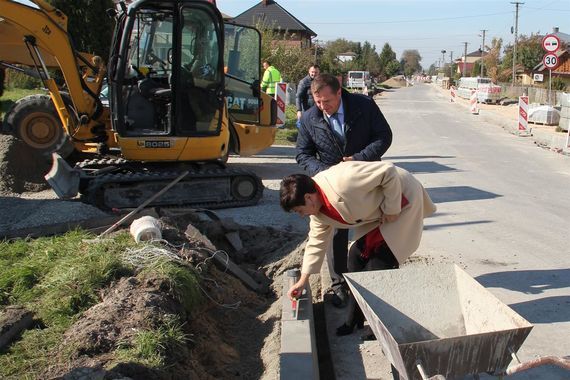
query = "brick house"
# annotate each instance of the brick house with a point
(270, 13)
(470, 60)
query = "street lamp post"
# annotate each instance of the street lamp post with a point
(443, 61)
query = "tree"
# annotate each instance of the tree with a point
(411, 62)
(290, 59)
(529, 51)
(330, 62)
(476, 71)
(88, 24)
(386, 56)
(370, 59)
(492, 59)
(393, 68)
(529, 54)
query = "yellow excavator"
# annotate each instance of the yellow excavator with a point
(180, 92)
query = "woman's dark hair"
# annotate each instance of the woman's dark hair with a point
(293, 190)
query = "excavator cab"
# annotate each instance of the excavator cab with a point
(167, 81)
(168, 78)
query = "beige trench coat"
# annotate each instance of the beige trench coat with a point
(361, 191)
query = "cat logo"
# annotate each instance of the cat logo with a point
(154, 143)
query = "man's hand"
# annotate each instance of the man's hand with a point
(348, 158)
(299, 115)
(296, 290)
(386, 218)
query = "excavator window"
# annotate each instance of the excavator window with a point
(241, 54)
(200, 85)
(173, 80)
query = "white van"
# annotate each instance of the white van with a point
(358, 79)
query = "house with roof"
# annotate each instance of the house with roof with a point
(540, 72)
(273, 15)
(346, 57)
(466, 63)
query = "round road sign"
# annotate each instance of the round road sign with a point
(550, 43)
(551, 61)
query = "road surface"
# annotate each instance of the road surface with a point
(503, 216)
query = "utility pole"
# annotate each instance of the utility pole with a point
(465, 59)
(450, 66)
(516, 3)
(482, 51)
(443, 62)
(316, 48)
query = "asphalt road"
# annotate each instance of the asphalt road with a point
(503, 213)
(503, 210)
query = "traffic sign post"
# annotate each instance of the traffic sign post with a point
(550, 44)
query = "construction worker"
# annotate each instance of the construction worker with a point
(271, 77)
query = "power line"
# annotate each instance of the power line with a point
(402, 21)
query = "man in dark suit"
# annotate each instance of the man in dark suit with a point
(340, 127)
(304, 99)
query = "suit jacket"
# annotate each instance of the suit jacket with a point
(361, 192)
(368, 135)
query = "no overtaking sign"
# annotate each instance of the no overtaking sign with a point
(550, 43)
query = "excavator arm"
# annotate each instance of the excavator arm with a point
(34, 34)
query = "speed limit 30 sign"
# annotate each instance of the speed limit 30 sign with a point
(551, 61)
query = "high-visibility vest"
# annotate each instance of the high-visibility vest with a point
(271, 77)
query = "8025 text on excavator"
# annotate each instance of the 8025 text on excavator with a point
(180, 92)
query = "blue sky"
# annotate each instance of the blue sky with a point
(426, 25)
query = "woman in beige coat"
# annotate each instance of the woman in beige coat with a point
(384, 204)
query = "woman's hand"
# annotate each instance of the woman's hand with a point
(296, 290)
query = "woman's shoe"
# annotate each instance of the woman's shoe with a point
(348, 329)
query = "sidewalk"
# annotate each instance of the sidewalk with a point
(506, 117)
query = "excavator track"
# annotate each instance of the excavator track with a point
(96, 163)
(211, 188)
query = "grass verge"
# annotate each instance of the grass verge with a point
(58, 278)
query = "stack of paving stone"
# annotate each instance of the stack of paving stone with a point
(564, 111)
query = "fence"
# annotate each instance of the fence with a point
(535, 94)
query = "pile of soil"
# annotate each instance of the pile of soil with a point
(395, 82)
(22, 168)
(225, 341)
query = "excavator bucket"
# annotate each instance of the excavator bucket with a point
(63, 179)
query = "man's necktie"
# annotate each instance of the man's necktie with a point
(337, 128)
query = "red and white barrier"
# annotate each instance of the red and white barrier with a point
(523, 113)
(280, 93)
(452, 94)
(473, 102)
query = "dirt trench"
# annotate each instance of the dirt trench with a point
(225, 341)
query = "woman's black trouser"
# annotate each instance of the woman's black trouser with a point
(381, 258)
